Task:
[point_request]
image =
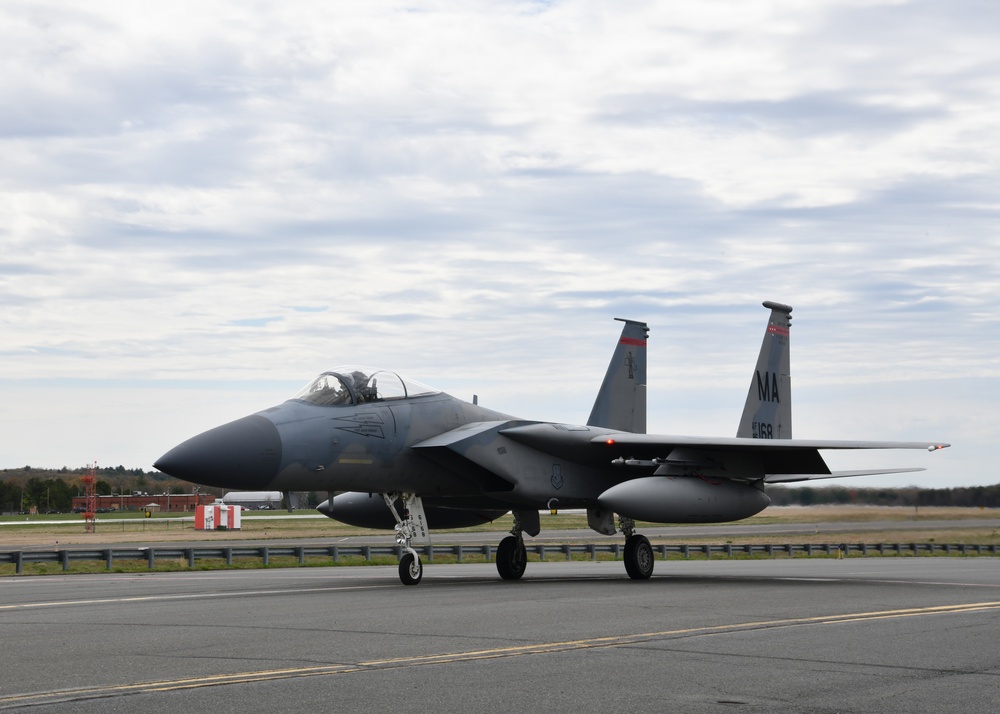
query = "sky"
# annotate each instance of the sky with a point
(203, 205)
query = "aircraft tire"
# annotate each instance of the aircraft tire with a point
(411, 570)
(638, 557)
(512, 558)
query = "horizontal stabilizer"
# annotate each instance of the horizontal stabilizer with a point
(791, 478)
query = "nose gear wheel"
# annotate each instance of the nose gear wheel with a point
(411, 570)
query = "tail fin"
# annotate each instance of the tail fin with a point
(621, 403)
(768, 411)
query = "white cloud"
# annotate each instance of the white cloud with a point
(470, 191)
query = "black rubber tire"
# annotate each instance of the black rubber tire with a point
(638, 557)
(411, 570)
(512, 558)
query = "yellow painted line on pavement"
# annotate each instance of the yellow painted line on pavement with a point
(267, 675)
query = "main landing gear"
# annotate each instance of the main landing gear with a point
(512, 558)
(638, 555)
(411, 526)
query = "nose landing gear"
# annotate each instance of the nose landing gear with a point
(411, 527)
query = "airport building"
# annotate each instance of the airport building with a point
(166, 502)
(254, 500)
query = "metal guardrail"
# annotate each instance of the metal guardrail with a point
(334, 552)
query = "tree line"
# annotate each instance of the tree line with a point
(963, 496)
(26, 488)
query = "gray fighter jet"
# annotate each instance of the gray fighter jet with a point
(399, 453)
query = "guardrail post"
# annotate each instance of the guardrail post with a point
(109, 558)
(566, 549)
(616, 548)
(488, 552)
(770, 551)
(189, 552)
(18, 562)
(458, 552)
(64, 559)
(151, 556)
(686, 550)
(334, 553)
(366, 552)
(228, 551)
(592, 550)
(265, 556)
(301, 552)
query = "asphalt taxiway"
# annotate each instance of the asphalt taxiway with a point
(855, 635)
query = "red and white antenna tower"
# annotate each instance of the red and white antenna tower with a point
(90, 498)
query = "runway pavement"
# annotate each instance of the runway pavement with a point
(803, 635)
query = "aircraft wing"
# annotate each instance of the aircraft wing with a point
(477, 451)
(776, 460)
(790, 478)
(651, 443)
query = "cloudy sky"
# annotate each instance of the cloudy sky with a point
(204, 204)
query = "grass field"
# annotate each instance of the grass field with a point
(925, 524)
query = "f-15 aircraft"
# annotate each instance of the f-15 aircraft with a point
(402, 454)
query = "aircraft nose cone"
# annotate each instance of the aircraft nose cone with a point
(242, 454)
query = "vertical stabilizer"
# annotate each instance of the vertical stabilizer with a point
(621, 403)
(768, 411)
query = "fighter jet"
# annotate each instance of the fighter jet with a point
(402, 454)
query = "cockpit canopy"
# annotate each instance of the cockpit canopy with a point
(350, 385)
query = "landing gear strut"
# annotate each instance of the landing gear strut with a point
(410, 526)
(638, 555)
